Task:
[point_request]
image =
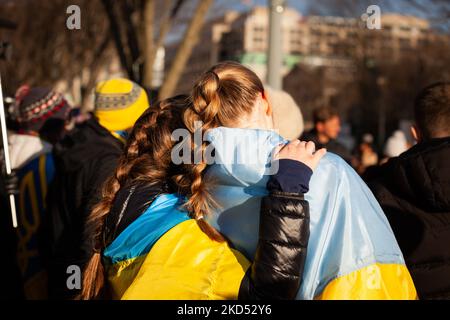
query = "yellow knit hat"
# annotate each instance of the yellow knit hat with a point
(119, 103)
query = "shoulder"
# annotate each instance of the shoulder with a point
(129, 204)
(209, 269)
(89, 141)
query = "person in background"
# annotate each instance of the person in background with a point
(42, 115)
(414, 192)
(327, 125)
(84, 159)
(395, 146)
(365, 155)
(77, 117)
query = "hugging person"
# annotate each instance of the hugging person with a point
(234, 221)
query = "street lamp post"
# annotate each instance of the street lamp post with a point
(275, 54)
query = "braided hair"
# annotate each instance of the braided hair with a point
(221, 96)
(146, 159)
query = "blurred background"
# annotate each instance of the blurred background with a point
(329, 56)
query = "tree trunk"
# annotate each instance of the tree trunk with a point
(188, 43)
(115, 30)
(131, 34)
(169, 13)
(150, 56)
(86, 89)
(149, 17)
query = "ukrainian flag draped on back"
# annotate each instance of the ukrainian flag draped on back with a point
(352, 252)
(164, 254)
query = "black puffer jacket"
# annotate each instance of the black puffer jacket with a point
(414, 192)
(277, 269)
(84, 159)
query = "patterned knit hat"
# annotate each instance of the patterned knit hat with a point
(119, 103)
(36, 105)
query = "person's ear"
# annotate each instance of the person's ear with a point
(415, 133)
(267, 105)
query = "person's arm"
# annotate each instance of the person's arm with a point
(277, 269)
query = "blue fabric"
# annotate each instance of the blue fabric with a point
(140, 236)
(123, 133)
(31, 211)
(348, 228)
(292, 176)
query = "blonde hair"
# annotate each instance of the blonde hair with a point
(221, 96)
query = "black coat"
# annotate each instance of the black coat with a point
(414, 192)
(277, 269)
(84, 159)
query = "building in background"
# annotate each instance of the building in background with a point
(206, 52)
(237, 36)
(332, 61)
(310, 40)
(248, 39)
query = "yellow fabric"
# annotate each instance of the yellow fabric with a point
(123, 118)
(122, 274)
(375, 282)
(183, 264)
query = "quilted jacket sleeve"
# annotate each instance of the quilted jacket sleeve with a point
(277, 269)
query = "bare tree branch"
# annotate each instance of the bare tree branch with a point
(184, 51)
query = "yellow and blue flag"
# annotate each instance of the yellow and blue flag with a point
(352, 251)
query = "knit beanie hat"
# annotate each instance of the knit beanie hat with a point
(287, 116)
(36, 105)
(119, 103)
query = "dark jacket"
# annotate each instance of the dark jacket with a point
(332, 146)
(84, 159)
(12, 284)
(277, 269)
(414, 192)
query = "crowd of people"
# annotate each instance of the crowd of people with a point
(102, 192)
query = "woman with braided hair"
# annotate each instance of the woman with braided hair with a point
(352, 251)
(150, 232)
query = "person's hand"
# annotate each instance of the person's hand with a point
(300, 151)
(11, 183)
